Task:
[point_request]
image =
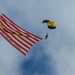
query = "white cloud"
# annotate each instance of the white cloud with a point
(60, 44)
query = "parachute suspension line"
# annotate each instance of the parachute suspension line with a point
(46, 36)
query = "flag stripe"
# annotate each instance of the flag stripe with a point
(31, 39)
(16, 38)
(18, 43)
(11, 42)
(19, 32)
(15, 41)
(19, 28)
(21, 39)
(24, 39)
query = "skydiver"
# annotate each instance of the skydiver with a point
(46, 36)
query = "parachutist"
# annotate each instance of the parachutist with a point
(46, 36)
(50, 24)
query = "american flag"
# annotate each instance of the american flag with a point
(21, 39)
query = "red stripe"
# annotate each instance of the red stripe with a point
(16, 38)
(17, 29)
(10, 26)
(20, 27)
(14, 41)
(12, 44)
(21, 37)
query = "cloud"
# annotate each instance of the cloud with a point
(58, 49)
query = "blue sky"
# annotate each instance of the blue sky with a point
(54, 56)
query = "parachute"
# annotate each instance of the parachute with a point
(19, 38)
(50, 24)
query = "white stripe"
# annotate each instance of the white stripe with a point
(23, 50)
(20, 29)
(7, 26)
(10, 28)
(20, 48)
(5, 18)
(8, 22)
(18, 42)
(13, 42)
(22, 41)
(15, 32)
(15, 28)
(28, 40)
(10, 25)
(33, 39)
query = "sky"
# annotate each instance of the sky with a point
(54, 56)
